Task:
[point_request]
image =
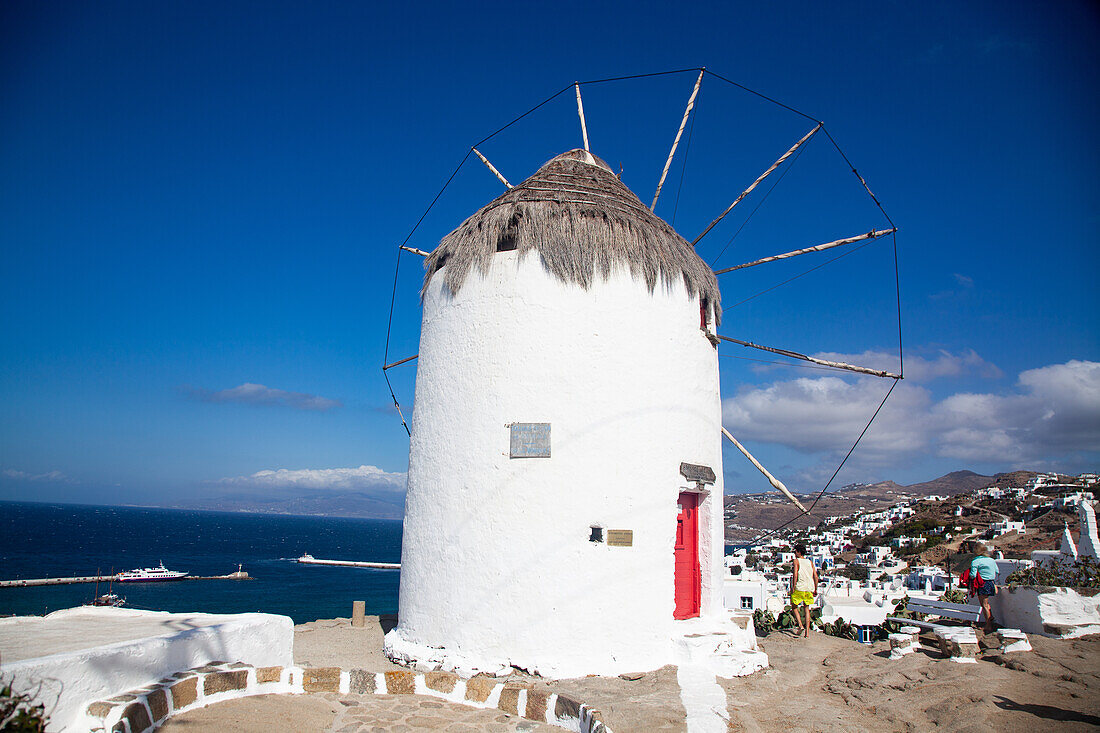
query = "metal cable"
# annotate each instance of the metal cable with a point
(762, 96)
(761, 203)
(683, 169)
(825, 488)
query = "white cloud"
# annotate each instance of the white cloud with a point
(24, 476)
(826, 414)
(363, 477)
(919, 368)
(963, 280)
(1055, 410)
(1052, 413)
(258, 394)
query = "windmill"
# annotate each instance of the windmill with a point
(564, 509)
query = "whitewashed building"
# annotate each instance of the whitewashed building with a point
(564, 509)
(1006, 526)
(928, 579)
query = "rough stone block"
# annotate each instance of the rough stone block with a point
(1013, 640)
(400, 683)
(138, 717)
(902, 644)
(478, 688)
(567, 707)
(269, 674)
(240, 665)
(119, 727)
(509, 699)
(361, 682)
(536, 704)
(959, 647)
(321, 679)
(158, 704)
(184, 692)
(215, 682)
(441, 681)
(100, 709)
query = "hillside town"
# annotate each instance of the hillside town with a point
(871, 559)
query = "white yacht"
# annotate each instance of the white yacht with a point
(150, 574)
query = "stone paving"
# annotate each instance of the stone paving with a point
(334, 713)
(397, 713)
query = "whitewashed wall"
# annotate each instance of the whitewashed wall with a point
(68, 681)
(497, 566)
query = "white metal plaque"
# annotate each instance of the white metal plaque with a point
(530, 440)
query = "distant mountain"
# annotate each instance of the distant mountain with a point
(747, 515)
(956, 482)
(328, 503)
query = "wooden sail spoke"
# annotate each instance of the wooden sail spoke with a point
(399, 363)
(771, 479)
(873, 234)
(679, 133)
(491, 167)
(823, 362)
(415, 251)
(580, 113)
(756, 183)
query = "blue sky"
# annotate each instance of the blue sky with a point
(200, 203)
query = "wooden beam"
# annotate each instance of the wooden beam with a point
(823, 362)
(771, 479)
(580, 112)
(399, 363)
(491, 167)
(873, 234)
(679, 133)
(756, 183)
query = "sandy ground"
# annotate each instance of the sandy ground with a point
(829, 684)
(336, 643)
(818, 684)
(262, 714)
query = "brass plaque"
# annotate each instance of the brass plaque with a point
(620, 537)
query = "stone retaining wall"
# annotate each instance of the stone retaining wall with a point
(148, 708)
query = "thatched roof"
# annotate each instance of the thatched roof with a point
(582, 221)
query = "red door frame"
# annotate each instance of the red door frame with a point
(687, 576)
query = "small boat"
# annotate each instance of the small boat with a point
(150, 574)
(305, 557)
(108, 599)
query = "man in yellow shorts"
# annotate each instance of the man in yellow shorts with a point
(804, 582)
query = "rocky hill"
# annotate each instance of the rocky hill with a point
(748, 515)
(956, 482)
(323, 504)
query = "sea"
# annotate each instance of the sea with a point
(67, 540)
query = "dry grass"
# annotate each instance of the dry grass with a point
(583, 222)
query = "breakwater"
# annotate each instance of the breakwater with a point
(28, 582)
(351, 563)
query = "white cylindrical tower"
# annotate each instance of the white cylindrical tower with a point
(564, 509)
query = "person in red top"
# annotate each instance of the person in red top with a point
(984, 568)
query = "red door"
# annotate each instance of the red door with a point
(687, 557)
